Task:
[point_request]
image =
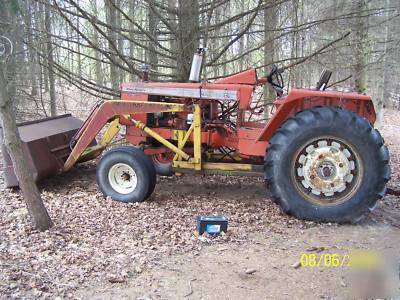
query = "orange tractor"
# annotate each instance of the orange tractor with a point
(319, 153)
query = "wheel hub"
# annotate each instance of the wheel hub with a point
(325, 168)
(122, 178)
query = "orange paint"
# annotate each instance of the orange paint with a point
(249, 138)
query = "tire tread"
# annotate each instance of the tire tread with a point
(318, 116)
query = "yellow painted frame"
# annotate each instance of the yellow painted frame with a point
(110, 133)
(181, 159)
(183, 137)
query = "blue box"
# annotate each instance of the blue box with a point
(212, 224)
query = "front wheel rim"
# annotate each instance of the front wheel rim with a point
(327, 171)
(122, 178)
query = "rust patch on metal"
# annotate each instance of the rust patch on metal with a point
(46, 145)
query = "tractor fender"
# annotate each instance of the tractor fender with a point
(301, 99)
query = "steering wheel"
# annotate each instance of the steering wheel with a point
(276, 80)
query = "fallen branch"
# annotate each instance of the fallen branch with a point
(190, 288)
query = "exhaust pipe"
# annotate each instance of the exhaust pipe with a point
(196, 65)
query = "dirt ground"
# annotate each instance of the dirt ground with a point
(101, 249)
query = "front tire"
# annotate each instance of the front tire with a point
(140, 154)
(327, 164)
(124, 175)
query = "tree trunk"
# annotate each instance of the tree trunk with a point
(188, 37)
(242, 39)
(336, 66)
(97, 54)
(383, 88)
(31, 52)
(120, 41)
(270, 21)
(361, 39)
(131, 8)
(152, 25)
(34, 203)
(294, 72)
(173, 43)
(50, 62)
(44, 80)
(362, 47)
(78, 46)
(112, 21)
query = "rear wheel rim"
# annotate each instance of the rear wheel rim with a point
(327, 171)
(122, 178)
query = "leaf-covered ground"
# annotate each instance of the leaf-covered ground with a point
(96, 241)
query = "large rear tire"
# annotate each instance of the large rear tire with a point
(125, 175)
(327, 164)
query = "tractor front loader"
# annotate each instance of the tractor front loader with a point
(319, 153)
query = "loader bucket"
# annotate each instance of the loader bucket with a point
(46, 145)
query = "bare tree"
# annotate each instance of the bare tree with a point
(50, 62)
(188, 35)
(98, 44)
(361, 40)
(13, 143)
(112, 42)
(270, 20)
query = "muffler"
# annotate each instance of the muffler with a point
(196, 65)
